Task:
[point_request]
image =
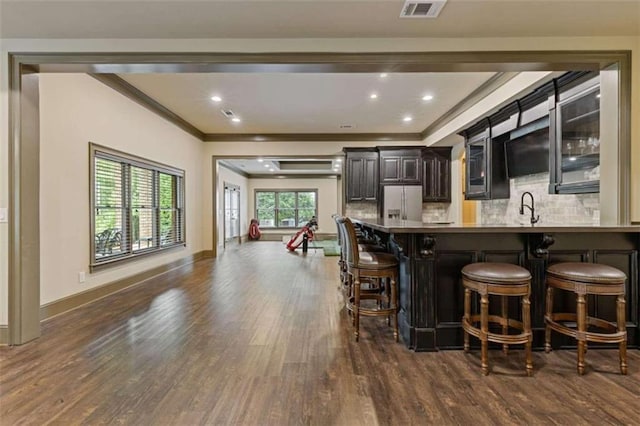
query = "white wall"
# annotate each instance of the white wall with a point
(74, 110)
(295, 45)
(327, 197)
(228, 176)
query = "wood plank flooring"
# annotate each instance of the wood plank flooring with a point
(259, 336)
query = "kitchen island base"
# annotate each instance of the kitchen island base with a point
(431, 296)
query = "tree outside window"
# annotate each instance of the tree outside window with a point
(285, 208)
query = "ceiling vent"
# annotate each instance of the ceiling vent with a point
(422, 9)
(228, 113)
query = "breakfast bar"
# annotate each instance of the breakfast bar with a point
(431, 257)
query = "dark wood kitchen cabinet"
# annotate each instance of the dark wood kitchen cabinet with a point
(436, 177)
(486, 173)
(361, 174)
(401, 165)
(575, 148)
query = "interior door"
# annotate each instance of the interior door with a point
(231, 213)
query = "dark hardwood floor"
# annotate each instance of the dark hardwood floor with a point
(260, 336)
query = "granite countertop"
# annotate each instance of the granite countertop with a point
(409, 227)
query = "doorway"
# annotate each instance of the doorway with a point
(231, 214)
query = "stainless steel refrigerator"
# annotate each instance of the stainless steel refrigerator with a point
(403, 202)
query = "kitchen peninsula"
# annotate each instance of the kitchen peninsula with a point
(432, 255)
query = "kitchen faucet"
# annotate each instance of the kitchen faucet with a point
(534, 218)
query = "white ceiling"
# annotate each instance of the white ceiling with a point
(313, 19)
(317, 103)
(309, 103)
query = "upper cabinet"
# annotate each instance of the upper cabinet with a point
(554, 129)
(361, 174)
(400, 166)
(436, 177)
(486, 175)
(576, 130)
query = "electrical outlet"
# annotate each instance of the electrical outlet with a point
(3, 214)
(81, 277)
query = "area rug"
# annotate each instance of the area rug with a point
(329, 247)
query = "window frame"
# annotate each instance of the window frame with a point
(127, 162)
(277, 203)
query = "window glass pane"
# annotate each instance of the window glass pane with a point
(286, 209)
(306, 200)
(167, 199)
(304, 215)
(286, 218)
(286, 200)
(108, 213)
(108, 233)
(580, 124)
(168, 227)
(142, 208)
(142, 228)
(267, 218)
(141, 187)
(265, 200)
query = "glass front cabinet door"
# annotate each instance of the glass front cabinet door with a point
(577, 134)
(477, 165)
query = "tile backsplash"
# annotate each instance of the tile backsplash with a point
(431, 212)
(554, 209)
(435, 212)
(363, 210)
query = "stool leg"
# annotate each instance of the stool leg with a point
(394, 304)
(484, 329)
(505, 326)
(582, 328)
(467, 316)
(547, 316)
(622, 327)
(356, 305)
(526, 322)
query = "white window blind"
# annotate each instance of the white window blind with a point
(137, 206)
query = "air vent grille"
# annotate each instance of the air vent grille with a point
(228, 113)
(422, 9)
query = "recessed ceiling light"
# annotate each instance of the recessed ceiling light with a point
(267, 166)
(260, 160)
(235, 119)
(383, 75)
(427, 97)
(339, 160)
(373, 96)
(216, 98)
(407, 118)
(598, 95)
(271, 170)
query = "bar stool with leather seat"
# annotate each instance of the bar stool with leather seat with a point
(363, 245)
(584, 279)
(504, 280)
(375, 267)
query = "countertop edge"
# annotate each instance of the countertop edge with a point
(417, 228)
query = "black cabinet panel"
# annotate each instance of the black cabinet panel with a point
(361, 175)
(401, 166)
(436, 181)
(390, 170)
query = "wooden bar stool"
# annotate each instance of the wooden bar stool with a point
(374, 267)
(584, 279)
(504, 280)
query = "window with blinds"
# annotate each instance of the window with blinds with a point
(137, 206)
